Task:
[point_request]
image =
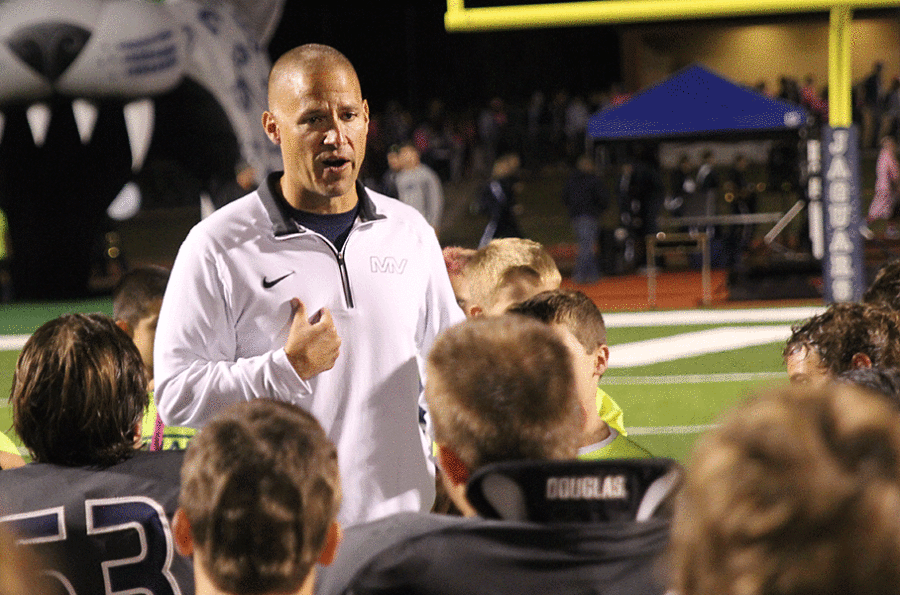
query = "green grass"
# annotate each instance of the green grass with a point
(24, 318)
(679, 403)
(760, 358)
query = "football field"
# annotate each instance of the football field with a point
(672, 372)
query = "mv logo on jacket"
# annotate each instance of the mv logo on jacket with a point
(388, 264)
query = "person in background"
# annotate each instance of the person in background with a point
(708, 183)
(418, 185)
(641, 196)
(741, 193)
(887, 187)
(137, 300)
(499, 200)
(871, 98)
(585, 197)
(681, 186)
(388, 185)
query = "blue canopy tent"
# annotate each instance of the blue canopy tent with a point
(698, 105)
(692, 103)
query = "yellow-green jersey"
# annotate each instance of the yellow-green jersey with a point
(7, 445)
(610, 412)
(156, 436)
(614, 447)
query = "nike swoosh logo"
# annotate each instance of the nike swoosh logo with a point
(269, 284)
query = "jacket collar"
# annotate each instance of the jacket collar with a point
(277, 208)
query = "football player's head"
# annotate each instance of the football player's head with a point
(260, 491)
(79, 392)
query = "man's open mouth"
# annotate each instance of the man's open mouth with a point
(335, 162)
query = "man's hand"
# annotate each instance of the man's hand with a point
(311, 347)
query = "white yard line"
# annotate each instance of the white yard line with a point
(12, 342)
(664, 430)
(727, 316)
(694, 378)
(715, 340)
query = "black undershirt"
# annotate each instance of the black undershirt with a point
(335, 226)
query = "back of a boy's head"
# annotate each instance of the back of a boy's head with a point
(498, 260)
(570, 308)
(796, 491)
(137, 292)
(79, 391)
(260, 487)
(501, 389)
(845, 329)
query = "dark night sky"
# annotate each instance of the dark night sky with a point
(402, 52)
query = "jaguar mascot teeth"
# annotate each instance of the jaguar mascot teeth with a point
(96, 96)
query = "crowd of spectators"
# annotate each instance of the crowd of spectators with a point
(463, 143)
(548, 127)
(474, 143)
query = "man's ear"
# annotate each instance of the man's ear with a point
(181, 529)
(332, 541)
(861, 360)
(455, 470)
(601, 360)
(125, 327)
(270, 125)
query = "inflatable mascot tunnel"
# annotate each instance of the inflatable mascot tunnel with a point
(109, 104)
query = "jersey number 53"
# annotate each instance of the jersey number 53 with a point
(131, 534)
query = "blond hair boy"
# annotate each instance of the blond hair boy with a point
(507, 271)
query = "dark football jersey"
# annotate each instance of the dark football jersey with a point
(561, 527)
(101, 530)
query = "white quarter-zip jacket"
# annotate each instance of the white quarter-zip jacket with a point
(226, 315)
